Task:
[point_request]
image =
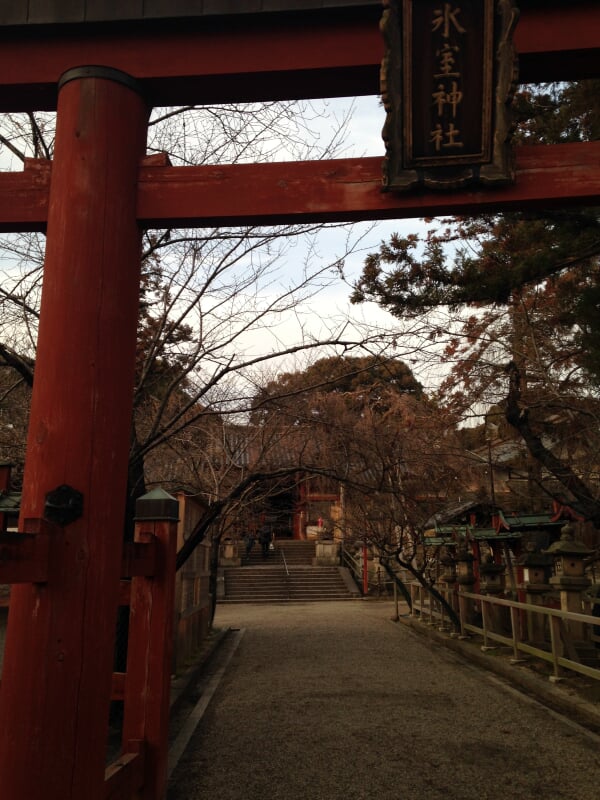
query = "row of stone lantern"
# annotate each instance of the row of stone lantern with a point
(567, 555)
(459, 569)
(571, 581)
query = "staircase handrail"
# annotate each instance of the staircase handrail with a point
(287, 572)
(288, 583)
(353, 565)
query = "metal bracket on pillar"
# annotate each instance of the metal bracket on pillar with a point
(63, 505)
(105, 73)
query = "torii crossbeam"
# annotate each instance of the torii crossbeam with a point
(93, 201)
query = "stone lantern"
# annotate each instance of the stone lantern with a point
(464, 568)
(229, 555)
(569, 554)
(536, 570)
(570, 580)
(493, 576)
(536, 583)
(448, 562)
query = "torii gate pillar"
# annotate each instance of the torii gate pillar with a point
(56, 681)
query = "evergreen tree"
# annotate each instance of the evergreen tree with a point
(524, 290)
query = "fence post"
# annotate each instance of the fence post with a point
(556, 646)
(463, 612)
(485, 615)
(515, 624)
(413, 598)
(150, 644)
(396, 616)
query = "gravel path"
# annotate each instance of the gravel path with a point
(335, 701)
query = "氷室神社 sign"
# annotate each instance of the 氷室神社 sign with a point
(448, 77)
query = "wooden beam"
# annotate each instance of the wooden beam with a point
(124, 592)
(118, 686)
(258, 58)
(341, 190)
(559, 42)
(24, 197)
(24, 557)
(349, 190)
(138, 559)
(124, 778)
(203, 63)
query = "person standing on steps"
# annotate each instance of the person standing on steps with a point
(249, 541)
(264, 537)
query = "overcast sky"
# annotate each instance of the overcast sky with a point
(363, 139)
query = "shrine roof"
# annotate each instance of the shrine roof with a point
(53, 12)
(491, 534)
(62, 12)
(527, 521)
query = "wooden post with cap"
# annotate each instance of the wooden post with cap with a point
(150, 643)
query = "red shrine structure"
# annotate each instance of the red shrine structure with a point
(102, 65)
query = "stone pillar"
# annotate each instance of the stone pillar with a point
(229, 553)
(327, 553)
(466, 581)
(493, 582)
(536, 575)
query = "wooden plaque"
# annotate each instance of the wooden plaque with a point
(447, 81)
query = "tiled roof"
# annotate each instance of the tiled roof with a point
(43, 12)
(9, 501)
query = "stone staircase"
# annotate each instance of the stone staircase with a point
(261, 580)
(292, 552)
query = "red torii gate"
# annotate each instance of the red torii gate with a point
(92, 201)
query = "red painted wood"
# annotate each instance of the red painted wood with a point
(5, 470)
(57, 670)
(205, 64)
(124, 593)
(138, 559)
(270, 58)
(149, 657)
(554, 28)
(559, 42)
(24, 197)
(350, 190)
(118, 686)
(339, 190)
(125, 777)
(23, 558)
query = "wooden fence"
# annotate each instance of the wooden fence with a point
(167, 620)
(507, 622)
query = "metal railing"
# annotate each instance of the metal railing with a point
(353, 565)
(288, 583)
(559, 650)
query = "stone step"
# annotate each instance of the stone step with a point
(271, 583)
(293, 549)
